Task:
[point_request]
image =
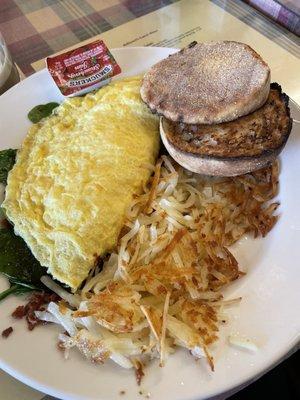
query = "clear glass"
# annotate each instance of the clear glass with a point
(9, 75)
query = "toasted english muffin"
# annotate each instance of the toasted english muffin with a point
(232, 148)
(207, 83)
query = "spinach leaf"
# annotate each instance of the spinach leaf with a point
(18, 264)
(17, 261)
(16, 290)
(7, 160)
(41, 111)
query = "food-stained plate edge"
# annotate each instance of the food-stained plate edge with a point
(230, 387)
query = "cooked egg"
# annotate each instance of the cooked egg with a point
(76, 174)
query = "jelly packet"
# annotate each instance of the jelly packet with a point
(83, 69)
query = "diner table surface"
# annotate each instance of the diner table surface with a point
(35, 29)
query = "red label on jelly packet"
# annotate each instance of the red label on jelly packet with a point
(83, 69)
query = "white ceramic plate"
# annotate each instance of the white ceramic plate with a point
(269, 312)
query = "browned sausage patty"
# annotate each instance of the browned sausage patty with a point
(264, 131)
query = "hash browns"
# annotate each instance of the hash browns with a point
(162, 287)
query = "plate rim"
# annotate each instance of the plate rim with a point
(267, 365)
(65, 395)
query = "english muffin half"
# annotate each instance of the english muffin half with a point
(207, 83)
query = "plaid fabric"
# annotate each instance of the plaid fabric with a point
(34, 29)
(286, 14)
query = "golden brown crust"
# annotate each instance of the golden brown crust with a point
(208, 83)
(263, 132)
(218, 166)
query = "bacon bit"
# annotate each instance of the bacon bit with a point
(7, 332)
(37, 302)
(19, 312)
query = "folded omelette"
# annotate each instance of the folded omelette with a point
(76, 174)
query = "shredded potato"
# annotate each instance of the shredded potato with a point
(161, 288)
